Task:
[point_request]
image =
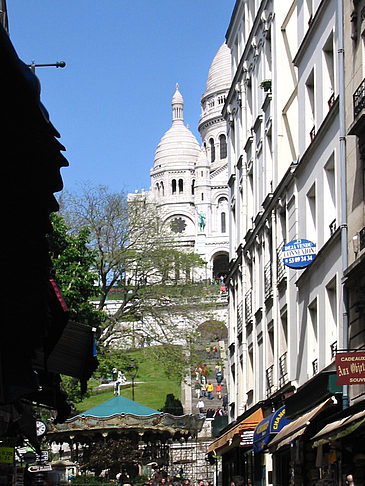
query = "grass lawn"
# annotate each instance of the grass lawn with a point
(151, 384)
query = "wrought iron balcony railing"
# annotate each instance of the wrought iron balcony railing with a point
(359, 99)
(239, 317)
(268, 280)
(333, 227)
(333, 350)
(248, 306)
(269, 380)
(280, 267)
(283, 369)
(315, 366)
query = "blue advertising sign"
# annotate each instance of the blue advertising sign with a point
(270, 425)
(299, 253)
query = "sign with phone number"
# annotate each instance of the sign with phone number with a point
(299, 253)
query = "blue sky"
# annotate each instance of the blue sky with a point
(112, 102)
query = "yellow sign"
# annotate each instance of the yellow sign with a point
(6, 455)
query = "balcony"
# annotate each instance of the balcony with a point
(315, 366)
(358, 100)
(333, 350)
(269, 380)
(248, 306)
(283, 369)
(268, 280)
(280, 267)
(333, 227)
(239, 317)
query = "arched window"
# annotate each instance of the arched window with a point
(193, 187)
(158, 188)
(223, 222)
(173, 186)
(202, 196)
(181, 186)
(162, 189)
(223, 146)
(212, 150)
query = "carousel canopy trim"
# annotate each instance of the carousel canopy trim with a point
(113, 416)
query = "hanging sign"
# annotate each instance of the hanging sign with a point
(246, 438)
(299, 253)
(350, 368)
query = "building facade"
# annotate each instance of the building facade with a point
(285, 114)
(189, 180)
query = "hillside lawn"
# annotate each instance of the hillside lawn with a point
(151, 384)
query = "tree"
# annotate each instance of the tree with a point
(142, 260)
(172, 405)
(73, 264)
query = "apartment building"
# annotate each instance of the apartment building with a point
(285, 125)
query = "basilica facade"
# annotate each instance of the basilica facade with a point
(189, 179)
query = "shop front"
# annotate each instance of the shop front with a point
(340, 449)
(264, 432)
(294, 460)
(235, 446)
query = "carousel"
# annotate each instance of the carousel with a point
(121, 434)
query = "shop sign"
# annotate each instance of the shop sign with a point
(6, 455)
(299, 253)
(45, 467)
(350, 368)
(246, 438)
(270, 425)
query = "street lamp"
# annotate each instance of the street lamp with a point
(133, 370)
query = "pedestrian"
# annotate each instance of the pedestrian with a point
(207, 351)
(350, 480)
(198, 389)
(200, 406)
(209, 388)
(218, 390)
(225, 402)
(216, 353)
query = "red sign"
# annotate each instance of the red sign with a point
(350, 368)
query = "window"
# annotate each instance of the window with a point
(181, 186)
(162, 189)
(223, 146)
(331, 317)
(212, 150)
(312, 338)
(173, 186)
(310, 107)
(329, 198)
(311, 215)
(223, 222)
(193, 187)
(202, 196)
(328, 74)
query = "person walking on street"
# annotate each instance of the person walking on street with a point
(200, 406)
(218, 390)
(209, 388)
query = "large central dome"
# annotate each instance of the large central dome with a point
(219, 75)
(178, 147)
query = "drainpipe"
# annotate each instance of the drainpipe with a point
(343, 216)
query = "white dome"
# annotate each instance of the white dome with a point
(219, 76)
(178, 147)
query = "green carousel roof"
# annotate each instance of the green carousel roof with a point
(117, 406)
(121, 415)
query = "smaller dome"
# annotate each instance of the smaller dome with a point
(177, 98)
(219, 75)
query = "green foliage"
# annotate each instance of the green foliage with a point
(73, 389)
(108, 359)
(172, 405)
(88, 480)
(73, 265)
(119, 454)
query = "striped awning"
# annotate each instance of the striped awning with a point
(248, 423)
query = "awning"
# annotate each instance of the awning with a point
(339, 428)
(297, 427)
(249, 423)
(270, 425)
